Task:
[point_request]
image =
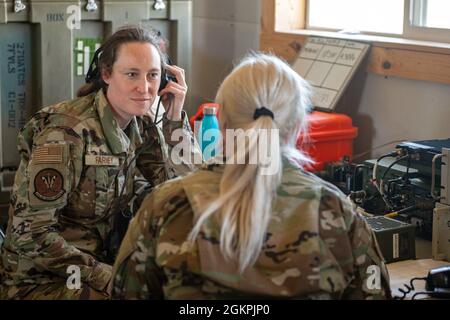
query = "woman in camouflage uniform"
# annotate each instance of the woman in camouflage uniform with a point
(245, 230)
(82, 163)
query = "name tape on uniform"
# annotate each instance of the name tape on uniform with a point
(94, 160)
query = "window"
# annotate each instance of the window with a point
(411, 19)
(431, 14)
(381, 16)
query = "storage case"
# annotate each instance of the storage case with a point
(330, 138)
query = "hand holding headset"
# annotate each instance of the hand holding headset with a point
(165, 77)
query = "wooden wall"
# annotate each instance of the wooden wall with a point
(388, 57)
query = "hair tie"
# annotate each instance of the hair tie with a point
(261, 112)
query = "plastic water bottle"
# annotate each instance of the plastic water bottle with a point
(209, 133)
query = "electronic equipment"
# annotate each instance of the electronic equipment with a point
(405, 184)
(438, 282)
(410, 184)
(424, 149)
(396, 239)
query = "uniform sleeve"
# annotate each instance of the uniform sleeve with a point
(50, 168)
(354, 248)
(171, 153)
(371, 276)
(135, 273)
(151, 160)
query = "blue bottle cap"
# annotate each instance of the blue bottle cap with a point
(209, 110)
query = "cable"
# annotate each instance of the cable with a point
(391, 214)
(396, 213)
(155, 121)
(116, 207)
(409, 289)
(359, 155)
(143, 147)
(374, 177)
(374, 172)
(388, 169)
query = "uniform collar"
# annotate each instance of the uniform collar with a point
(116, 138)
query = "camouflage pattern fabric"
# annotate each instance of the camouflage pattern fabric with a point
(77, 168)
(316, 247)
(54, 291)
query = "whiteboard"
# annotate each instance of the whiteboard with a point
(329, 65)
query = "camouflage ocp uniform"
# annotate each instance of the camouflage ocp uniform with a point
(316, 246)
(77, 169)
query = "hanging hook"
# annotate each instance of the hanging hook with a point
(159, 5)
(91, 6)
(18, 6)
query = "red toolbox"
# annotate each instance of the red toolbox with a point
(331, 137)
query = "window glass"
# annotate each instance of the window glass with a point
(380, 16)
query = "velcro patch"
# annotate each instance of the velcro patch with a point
(48, 154)
(97, 160)
(49, 185)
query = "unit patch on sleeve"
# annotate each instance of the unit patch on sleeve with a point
(49, 185)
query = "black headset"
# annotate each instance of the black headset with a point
(93, 72)
(164, 79)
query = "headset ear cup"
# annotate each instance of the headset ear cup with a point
(164, 81)
(93, 71)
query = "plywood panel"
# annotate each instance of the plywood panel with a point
(284, 46)
(410, 64)
(290, 14)
(268, 17)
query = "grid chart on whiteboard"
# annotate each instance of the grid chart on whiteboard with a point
(328, 65)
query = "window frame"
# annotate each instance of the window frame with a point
(412, 21)
(409, 59)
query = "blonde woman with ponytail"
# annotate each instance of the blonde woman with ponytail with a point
(251, 226)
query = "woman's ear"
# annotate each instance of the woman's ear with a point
(105, 75)
(223, 125)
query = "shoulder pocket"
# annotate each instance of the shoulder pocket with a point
(49, 175)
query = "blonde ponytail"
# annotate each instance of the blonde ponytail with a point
(245, 203)
(243, 207)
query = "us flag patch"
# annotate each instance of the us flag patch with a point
(48, 154)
